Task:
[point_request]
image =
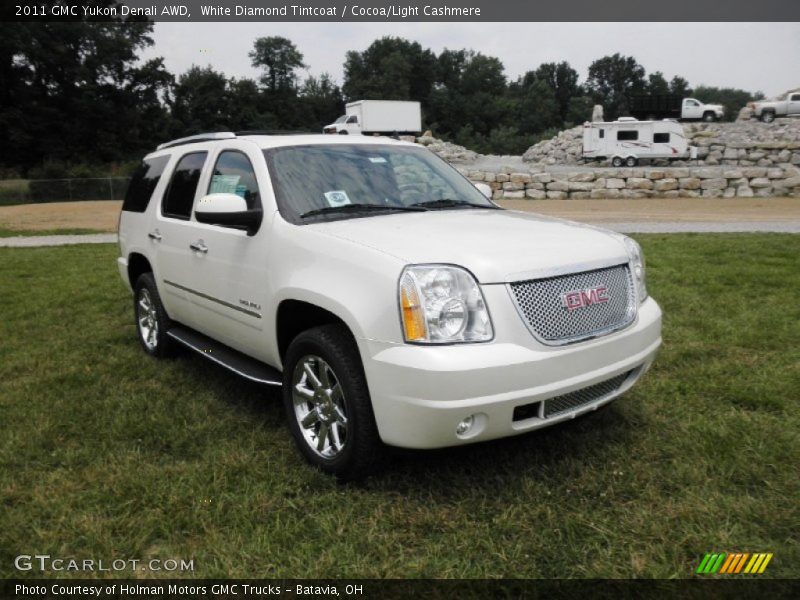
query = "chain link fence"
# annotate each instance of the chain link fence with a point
(62, 190)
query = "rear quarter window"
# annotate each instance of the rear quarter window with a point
(143, 183)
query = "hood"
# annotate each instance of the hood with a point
(497, 246)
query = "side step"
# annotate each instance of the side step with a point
(239, 363)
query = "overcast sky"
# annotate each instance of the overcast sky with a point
(753, 56)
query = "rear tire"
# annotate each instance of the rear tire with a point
(631, 161)
(617, 161)
(152, 322)
(327, 403)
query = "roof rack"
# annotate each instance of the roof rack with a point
(200, 137)
(275, 132)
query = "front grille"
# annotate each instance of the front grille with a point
(567, 402)
(541, 304)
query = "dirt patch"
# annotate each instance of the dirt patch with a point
(97, 215)
(103, 216)
(655, 209)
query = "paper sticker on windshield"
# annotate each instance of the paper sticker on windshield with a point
(337, 198)
(377, 159)
(224, 184)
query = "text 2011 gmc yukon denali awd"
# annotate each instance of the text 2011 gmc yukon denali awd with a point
(392, 301)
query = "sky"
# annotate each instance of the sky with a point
(753, 56)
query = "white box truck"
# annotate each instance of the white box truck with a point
(386, 117)
(627, 140)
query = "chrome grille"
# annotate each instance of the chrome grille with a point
(567, 402)
(541, 305)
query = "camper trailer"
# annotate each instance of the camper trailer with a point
(627, 140)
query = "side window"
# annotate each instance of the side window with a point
(795, 97)
(692, 103)
(143, 183)
(182, 187)
(661, 138)
(628, 134)
(602, 133)
(233, 174)
(353, 119)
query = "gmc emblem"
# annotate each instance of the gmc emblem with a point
(582, 298)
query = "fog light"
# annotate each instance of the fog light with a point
(465, 425)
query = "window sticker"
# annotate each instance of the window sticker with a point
(337, 198)
(224, 184)
(377, 159)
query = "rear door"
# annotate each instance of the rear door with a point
(173, 233)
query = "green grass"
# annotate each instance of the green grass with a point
(6, 232)
(106, 453)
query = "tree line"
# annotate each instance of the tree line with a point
(76, 95)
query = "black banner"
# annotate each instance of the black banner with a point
(404, 10)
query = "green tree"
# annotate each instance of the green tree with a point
(77, 89)
(279, 59)
(322, 101)
(201, 101)
(391, 68)
(613, 80)
(680, 87)
(656, 84)
(562, 79)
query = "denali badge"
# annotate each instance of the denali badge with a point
(586, 297)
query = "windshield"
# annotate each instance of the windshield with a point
(342, 181)
(341, 119)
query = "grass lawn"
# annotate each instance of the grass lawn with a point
(6, 232)
(106, 453)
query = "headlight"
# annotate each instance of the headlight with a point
(637, 267)
(442, 304)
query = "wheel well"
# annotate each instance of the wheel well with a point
(137, 266)
(295, 316)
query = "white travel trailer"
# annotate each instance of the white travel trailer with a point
(627, 140)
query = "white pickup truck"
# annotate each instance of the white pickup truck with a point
(767, 110)
(386, 296)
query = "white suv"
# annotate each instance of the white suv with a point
(388, 297)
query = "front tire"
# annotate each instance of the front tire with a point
(709, 117)
(767, 116)
(631, 161)
(617, 161)
(327, 403)
(152, 322)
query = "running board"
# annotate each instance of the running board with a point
(231, 359)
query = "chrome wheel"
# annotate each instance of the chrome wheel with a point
(319, 406)
(147, 317)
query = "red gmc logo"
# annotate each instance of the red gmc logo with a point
(582, 298)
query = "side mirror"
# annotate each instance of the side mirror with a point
(484, 189)
(228, 210)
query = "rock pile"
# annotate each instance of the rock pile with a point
(744, 144)
(452, 153)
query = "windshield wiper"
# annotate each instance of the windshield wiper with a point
(449, 203)
(359, 207)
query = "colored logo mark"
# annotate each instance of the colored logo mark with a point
(731, 564)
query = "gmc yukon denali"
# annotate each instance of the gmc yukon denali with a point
(384, 294)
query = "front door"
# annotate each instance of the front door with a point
(230, 269)
(691, 109)
(794, 104)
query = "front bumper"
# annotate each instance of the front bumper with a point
(421, 393)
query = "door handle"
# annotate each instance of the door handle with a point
(155, 235)
(199, 246)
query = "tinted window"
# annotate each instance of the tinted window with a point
(628, 135)
(795, 97)
(661, 138)
(183, 185)
(233, 174)
(142, 184)
(602, 133)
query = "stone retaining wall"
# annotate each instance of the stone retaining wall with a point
(642, 182)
